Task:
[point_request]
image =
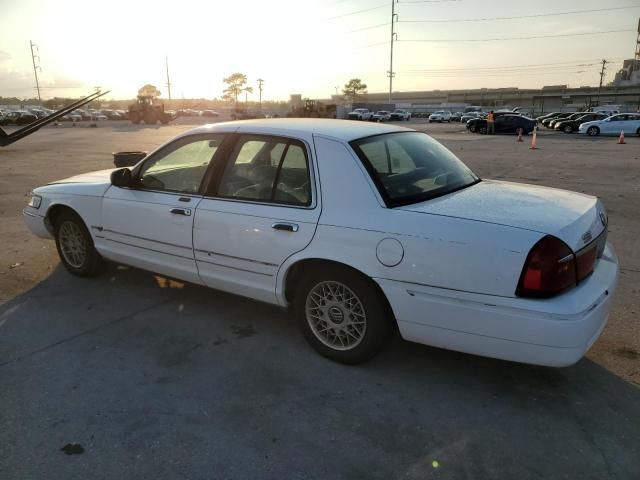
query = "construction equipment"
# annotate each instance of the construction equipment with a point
(314, 109)
(147, 109)
(9, 138)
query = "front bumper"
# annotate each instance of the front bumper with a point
(36, 222)
(553, 332)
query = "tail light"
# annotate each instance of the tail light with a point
(550, 268)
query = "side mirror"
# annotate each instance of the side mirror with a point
(127, 159)
(121, 178)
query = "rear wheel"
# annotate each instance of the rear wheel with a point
(75, 245)
(593, 131)
(341, 314)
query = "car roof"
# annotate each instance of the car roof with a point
(345, 130)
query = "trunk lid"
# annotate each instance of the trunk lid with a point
(575, 218)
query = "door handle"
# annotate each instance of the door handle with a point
(181, 211)
(284, 226)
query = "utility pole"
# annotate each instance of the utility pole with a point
(35, 68)
(260, 82)
(394, 36)
(166, 62)
(604, 67)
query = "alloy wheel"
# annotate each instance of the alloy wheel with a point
(336, 315)
(72, 244)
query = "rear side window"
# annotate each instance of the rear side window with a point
(411, 167)
(267, 169)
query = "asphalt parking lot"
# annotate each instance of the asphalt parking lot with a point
(163, 380)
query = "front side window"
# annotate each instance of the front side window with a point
(412, 167)
(267, 169)
(181, 166)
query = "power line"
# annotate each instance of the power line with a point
(572, 62)
(487, 19)
(385, 24)
(355, 13)
(429, 1)
(457, 40)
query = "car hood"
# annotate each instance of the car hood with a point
(573, 217)
(91, 184)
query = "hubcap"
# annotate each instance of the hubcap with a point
(72, 244)
(336, 315)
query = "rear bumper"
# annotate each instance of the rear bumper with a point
(36, 223)
(553, 332)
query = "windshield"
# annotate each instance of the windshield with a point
(411, 167)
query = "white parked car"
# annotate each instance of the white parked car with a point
(381, 116)
(360, 114)
(629, 122)
(355, 226)
(399, 114)
(440, 116)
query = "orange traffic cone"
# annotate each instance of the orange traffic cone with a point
(534, 139)
(520, 135)
(621, 138)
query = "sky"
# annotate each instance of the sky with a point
(308, 47)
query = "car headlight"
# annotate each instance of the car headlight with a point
(35, 201)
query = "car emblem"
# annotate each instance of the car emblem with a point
(603, 219)
(586, 238)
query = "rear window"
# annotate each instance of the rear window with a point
(411, 167)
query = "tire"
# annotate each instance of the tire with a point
(593, 131)
(322, 293)
(473, 128)
(638, 132)
(567, 129)
(483, 130)
(75, 245)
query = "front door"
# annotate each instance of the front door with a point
(150, 225)
(263, 209)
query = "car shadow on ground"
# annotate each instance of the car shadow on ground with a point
(161, 379)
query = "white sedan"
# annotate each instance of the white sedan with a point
(440, 116)
(627, 122)
(357, 227)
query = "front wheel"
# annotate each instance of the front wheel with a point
(75, 245)
(341, 314)
(567, 129)
(593, 131)
(472, 128)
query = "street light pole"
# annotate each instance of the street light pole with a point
(260, 82)
(393, 37)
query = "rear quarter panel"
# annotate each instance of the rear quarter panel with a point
(437, 250)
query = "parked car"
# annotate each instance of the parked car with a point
(440, 116)
(547, 121)
(399, 114)
(546, 115)
(506, 123)
(19, 117)
(209, 113)
(381, 116)
(470, 116)
(554, 122)
(456, 117)
(627, 122)
(527, 277)
(572, 125)
(360, 114)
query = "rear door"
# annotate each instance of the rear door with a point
(261, 209)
